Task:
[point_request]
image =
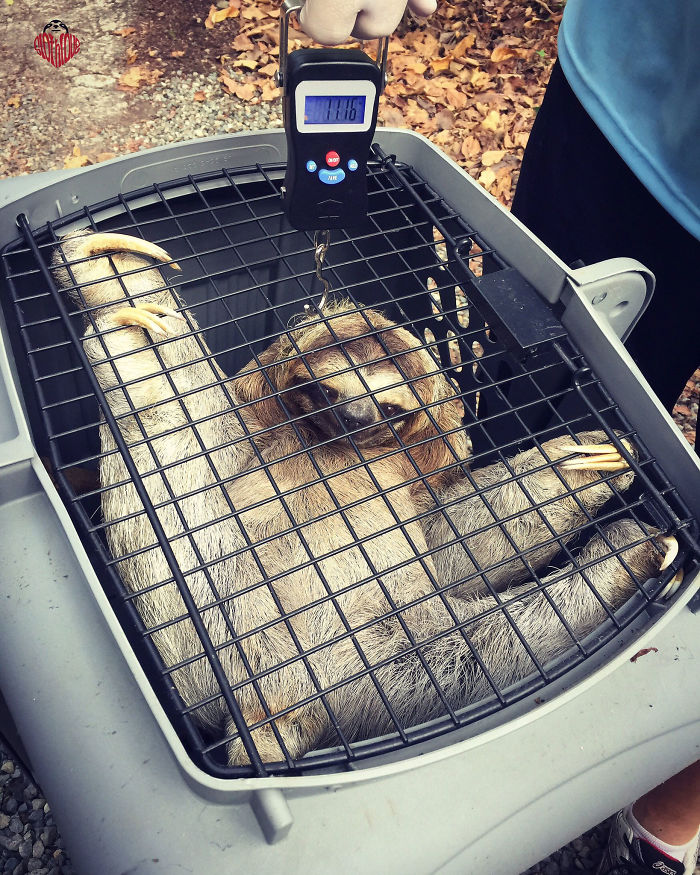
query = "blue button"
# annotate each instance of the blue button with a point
(352, 164)
(311, 166)
(331, 177)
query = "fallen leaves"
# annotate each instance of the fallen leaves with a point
(138, 75)
(233, 10)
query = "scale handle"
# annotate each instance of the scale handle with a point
(290, 6)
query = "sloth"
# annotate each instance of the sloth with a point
(298, 501)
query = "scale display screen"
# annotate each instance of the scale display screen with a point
(328, 106)
(327, 109)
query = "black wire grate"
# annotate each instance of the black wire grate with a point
(289, 581)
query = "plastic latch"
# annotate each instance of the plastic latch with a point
(522, 319)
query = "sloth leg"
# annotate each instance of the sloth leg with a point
(603, 577)
(578, 599)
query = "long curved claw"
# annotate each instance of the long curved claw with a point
(671, 546)
(101, 242)
(672, 586)
(140, 316)
(595, 457)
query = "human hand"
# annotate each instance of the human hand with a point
(332, 21)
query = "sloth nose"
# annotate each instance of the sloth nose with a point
(357, 414)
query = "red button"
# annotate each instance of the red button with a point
(332, 159)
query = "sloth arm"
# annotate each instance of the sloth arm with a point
(512, 491)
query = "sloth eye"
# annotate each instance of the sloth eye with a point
(330, 393)
(390, 409)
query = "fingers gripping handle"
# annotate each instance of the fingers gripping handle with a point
(296, 6)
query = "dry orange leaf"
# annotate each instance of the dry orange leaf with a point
(270, 91)
(252, 13)
(243, 90)
(135, 77)
(77, 159)
(492, 156)
(244, 62)
(439, 65)
(502, 53)
(461, 48)
(242, 43)
(217, 15)
(480, 80)
(269, 69)
(177, 53)
(455, 98)
(124, 31)
(492, 122)
(444, 120)
(470, 147)
(199, 96)
(487, 177)
(15, 101)
(391, 116)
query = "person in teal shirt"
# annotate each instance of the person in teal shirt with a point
(612, 166)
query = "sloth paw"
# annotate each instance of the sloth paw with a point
(144, 316)
(594, 457)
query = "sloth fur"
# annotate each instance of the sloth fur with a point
(277, 521)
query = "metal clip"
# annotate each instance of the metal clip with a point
(322, 240)
(290, 6)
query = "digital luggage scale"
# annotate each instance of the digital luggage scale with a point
(330, 114)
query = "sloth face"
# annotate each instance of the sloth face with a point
(55, 27)
(359, 384)
(362, 400)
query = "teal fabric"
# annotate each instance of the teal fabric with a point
(635, 67)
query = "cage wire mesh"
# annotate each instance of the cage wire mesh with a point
(307, 579)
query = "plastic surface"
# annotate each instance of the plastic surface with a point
(498, 797)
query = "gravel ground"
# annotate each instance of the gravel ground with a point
(57, 113)
(29, 839)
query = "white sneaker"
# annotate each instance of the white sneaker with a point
(628, 854)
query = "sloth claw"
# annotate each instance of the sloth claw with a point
(103, 242)
(598, 457)
(140, 317)
(671, 546)
(672, 586)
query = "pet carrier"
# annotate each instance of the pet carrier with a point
(469, 765)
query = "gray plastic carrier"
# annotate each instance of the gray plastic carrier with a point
(495, 796)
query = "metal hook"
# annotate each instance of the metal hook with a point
(322, 240)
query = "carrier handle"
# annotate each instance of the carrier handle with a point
(290, 6)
